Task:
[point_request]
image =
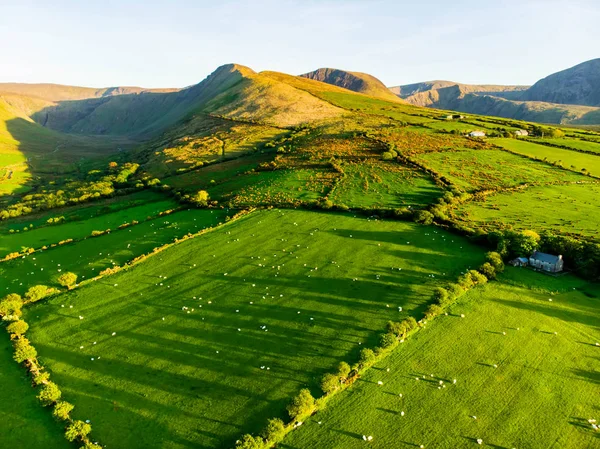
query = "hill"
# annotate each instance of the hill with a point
(355, 81)
(409, 90)
(577, 85)
(59, 92)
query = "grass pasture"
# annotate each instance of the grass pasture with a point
(571, 160)
(273, 289)
(87, 258)
(576, 144)
(484, 169)
(568, 209)
(24, 423)
(383, 185)
(540, 396)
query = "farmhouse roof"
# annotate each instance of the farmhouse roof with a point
(543, 257)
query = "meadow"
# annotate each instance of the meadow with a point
(383, 185)
(576, 144)
(571, 160)
(24, 423)
(208, 339)
(88, 257)
(487, 169)
(567, 209)
(526, 371)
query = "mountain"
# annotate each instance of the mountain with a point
(578, 85)
(59, 92)
(354, 81)
(570, 96)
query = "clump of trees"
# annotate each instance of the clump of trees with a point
(38, 292)
(67, 279)
(303, 404)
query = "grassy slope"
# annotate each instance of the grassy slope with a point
(24, 422)
(193, 379)
(59, 92)
(540, 396)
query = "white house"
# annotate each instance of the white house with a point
(521, 132)
(546, 262)
(476, 134)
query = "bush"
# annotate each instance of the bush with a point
(201, 198)
(343, 370)
(432, 311)
(410, 323)
(89, 445)
(18, 327)
(330, 383)
(366, 357)
(488, 270)
(387, 156)
(387, 340)
(23, 350)
(495, 260)
(441, 296)
(77, 430)
(49, 394)
(476, 277)
(455, 290)
(38, 292)
(249, 442)
(62, 410)
(41, 378)
(396, 328)
(67, 279)
(302, 404)
(274, 431)
(10, 307)
(424, 217)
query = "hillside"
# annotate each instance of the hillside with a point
(59, 92)
(408, 90)
(355, 81)
(577, 85)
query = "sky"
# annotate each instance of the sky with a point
(177, 43)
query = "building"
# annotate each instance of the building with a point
(519, 262)
(521, 132)
(476, 134)
(546, 262)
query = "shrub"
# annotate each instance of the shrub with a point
(10, 307)
(432, 311)
(366, 357)
(330, 383)
(23, 350)
(90, 445)
(49, 394)
(18, 327)
(302, 404)
(387, 340)
(424, 217)
(488, 270)
(495, 260)
(441, 296)
(274, 431)
(249, 442)
(396, 328)
(201, 198)
(455, 290)
(67, 279)
(41, 378)
(476, 277)
(387, 156)
(343, 370)
(62, 410)
(77, 430)
(38, 292)
(410, 323)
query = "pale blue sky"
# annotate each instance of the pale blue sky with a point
(179, 42)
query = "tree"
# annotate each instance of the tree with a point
(62, 410)
(410, 323)
(441, 296)
(366, 356)
(41, 377)
(455, 290)
(17, 327)
(249, 442)
(77, 429)
(387, 156)
(90, 445)
(424, 217)
(387, 340)
(488, 270)
(38, 292)
(495, 260)
(201, 198)
(67, 279)
(302, 404)
(49, 394)
(10, 307)
(396, 328)
(343, 370)
(476, 277)
(432, 311)
(23, 350)
(330, 383)
(274, 431)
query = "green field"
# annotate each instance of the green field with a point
(571, 160)
(87, 258)
(571, 209)
(571, 143)
(193, 379)
(541, 394)
(24, 423)
(383, 185)
(485, 169)
(76, 230)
